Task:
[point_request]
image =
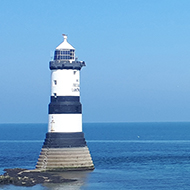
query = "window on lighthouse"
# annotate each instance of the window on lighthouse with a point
(72, 54)
(63, 55)
(55, 82)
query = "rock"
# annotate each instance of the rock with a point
(23, 177)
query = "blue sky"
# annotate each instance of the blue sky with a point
(137, 55)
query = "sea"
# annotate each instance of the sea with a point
(131, 156)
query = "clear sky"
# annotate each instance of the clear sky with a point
(137, 55)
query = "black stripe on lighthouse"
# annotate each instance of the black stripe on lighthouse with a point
(64, 140)
(65, 105)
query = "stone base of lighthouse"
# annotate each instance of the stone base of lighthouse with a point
(63, 152)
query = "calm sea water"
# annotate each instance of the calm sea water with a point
(132, 156)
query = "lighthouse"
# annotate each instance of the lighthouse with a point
(64, 147)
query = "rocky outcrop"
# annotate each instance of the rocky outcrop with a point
(23, 177)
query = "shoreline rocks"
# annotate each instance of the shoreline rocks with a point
(24, 177)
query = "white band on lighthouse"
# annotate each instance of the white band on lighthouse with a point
(65, 123)
(65, 83)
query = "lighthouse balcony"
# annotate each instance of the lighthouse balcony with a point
(66, 64)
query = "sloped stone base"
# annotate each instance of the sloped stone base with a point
(61, 153)
(61, 159)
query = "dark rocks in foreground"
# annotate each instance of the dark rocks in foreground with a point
(23, 177)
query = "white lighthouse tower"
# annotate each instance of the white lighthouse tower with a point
(65, 147)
